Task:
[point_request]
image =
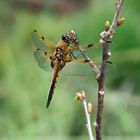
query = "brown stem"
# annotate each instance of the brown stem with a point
(106, 37)
(100, 103)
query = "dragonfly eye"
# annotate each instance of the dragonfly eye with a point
(63, 37)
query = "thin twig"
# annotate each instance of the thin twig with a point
(106, 38)
(119, 5)
(88, 120)
(91, 63)
(88, 110)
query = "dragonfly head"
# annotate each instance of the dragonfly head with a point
(70, 38)
(65, 38)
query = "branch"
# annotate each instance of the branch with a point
(88, 120)
(91, 63)
(106, 38)
(88, 110)
(119, 5)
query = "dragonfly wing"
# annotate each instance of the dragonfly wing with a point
(42, 60)
(82, 69)
(77, 69)
(42, 43)
(92, 50)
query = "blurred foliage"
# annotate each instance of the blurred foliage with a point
(24, 86)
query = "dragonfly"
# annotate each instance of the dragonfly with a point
(55, 57)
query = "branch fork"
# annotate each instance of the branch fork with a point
(106, 38)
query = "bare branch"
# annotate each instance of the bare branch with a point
(88, 120)
(119, 5)
(106, 38)
(91, 63)
(88, 110)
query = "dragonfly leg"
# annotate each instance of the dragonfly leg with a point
(69, 59)
(69, 49)
(90, 45)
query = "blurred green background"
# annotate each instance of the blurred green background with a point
(24, 86)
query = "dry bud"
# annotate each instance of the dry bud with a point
(107, 25)
(117, 2)
(101, 41)
(72, 31)
(101, 92)
(83, 94)
(120, 21)
(90, 108)
(80, 96)
(109, 53)
(95, 124)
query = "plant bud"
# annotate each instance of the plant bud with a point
(80, 96)
(118, 2)
(83, 94)
(120, 21)
(107, 25)
(90, 108)
(72, 31)
(95, 124)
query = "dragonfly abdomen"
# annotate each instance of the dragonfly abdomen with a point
(54, 81)
(51, 92)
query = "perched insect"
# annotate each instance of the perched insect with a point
(50, 56)
(58, 55)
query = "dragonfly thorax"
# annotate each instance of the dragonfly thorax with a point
(58, 53)
(58, 56)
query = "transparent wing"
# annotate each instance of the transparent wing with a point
(82, 69)
(77, 68)
(42, 60)
(42, 43)
(44, 47)
(92, 50)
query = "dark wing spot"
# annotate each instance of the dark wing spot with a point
(37, 49)
(109, 62)
(86, 61)
(35, 30)
(42, 37)
(45, 53)
(109, 41)
(90, 45)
